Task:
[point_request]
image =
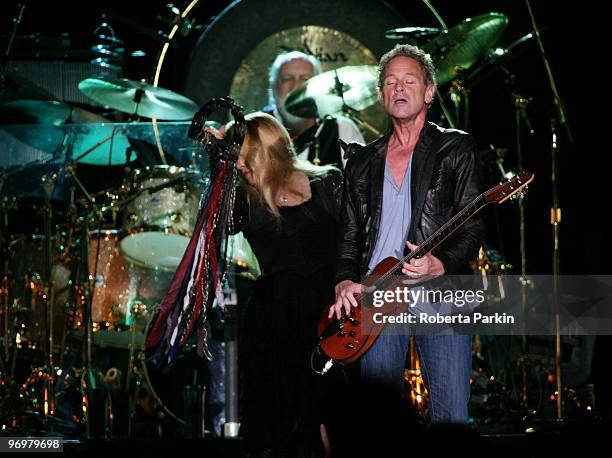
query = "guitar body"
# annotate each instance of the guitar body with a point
(347, 339)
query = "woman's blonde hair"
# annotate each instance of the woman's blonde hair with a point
(269, 153)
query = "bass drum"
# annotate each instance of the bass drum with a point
(337, 32)
(125, 293)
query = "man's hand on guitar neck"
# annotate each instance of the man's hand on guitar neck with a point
(428, 265)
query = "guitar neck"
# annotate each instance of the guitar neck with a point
(443, 232)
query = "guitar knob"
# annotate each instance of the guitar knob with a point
(350, 346)
(342, 334)
(352, 334)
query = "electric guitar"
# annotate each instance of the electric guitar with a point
(344, 340)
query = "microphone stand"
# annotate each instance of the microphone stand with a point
(521, 118)
(555, 219)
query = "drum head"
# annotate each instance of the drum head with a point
(164, 199)
(155, 250)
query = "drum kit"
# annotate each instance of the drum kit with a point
(84, 271)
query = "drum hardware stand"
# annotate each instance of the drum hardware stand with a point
(520, 116)
(555, 219)
(4, 286)
(7, 52)
(435, 13)
(149, 384)
(4, 296)
(317, 144)
(112, 384)
(71, 218)
(48, 186)
(460, 97)
(6, 377)
(361, 123)
(133, 380)
(89, 378)
(137, 99)
(419, 395)
(111, 137)
(447, 114)
(153, 189)
(351, 112)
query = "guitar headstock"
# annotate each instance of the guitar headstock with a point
(511, 188)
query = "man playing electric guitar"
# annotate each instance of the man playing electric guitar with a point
(398, 190)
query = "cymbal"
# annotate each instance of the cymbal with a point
(322, 95)
(411, 32)
(44, 112)
(155, 102)
(15, 87)
(498, 57)
(462, 45)
(62, 122)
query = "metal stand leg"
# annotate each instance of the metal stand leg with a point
(231, 427)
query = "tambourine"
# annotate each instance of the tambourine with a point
(227, 148)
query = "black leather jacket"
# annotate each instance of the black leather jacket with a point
(456, 179)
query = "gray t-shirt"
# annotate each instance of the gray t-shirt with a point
(394, 219)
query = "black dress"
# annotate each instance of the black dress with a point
(280, 394)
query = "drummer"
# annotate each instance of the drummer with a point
(289, 71)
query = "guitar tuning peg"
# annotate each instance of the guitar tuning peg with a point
(519, 195)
